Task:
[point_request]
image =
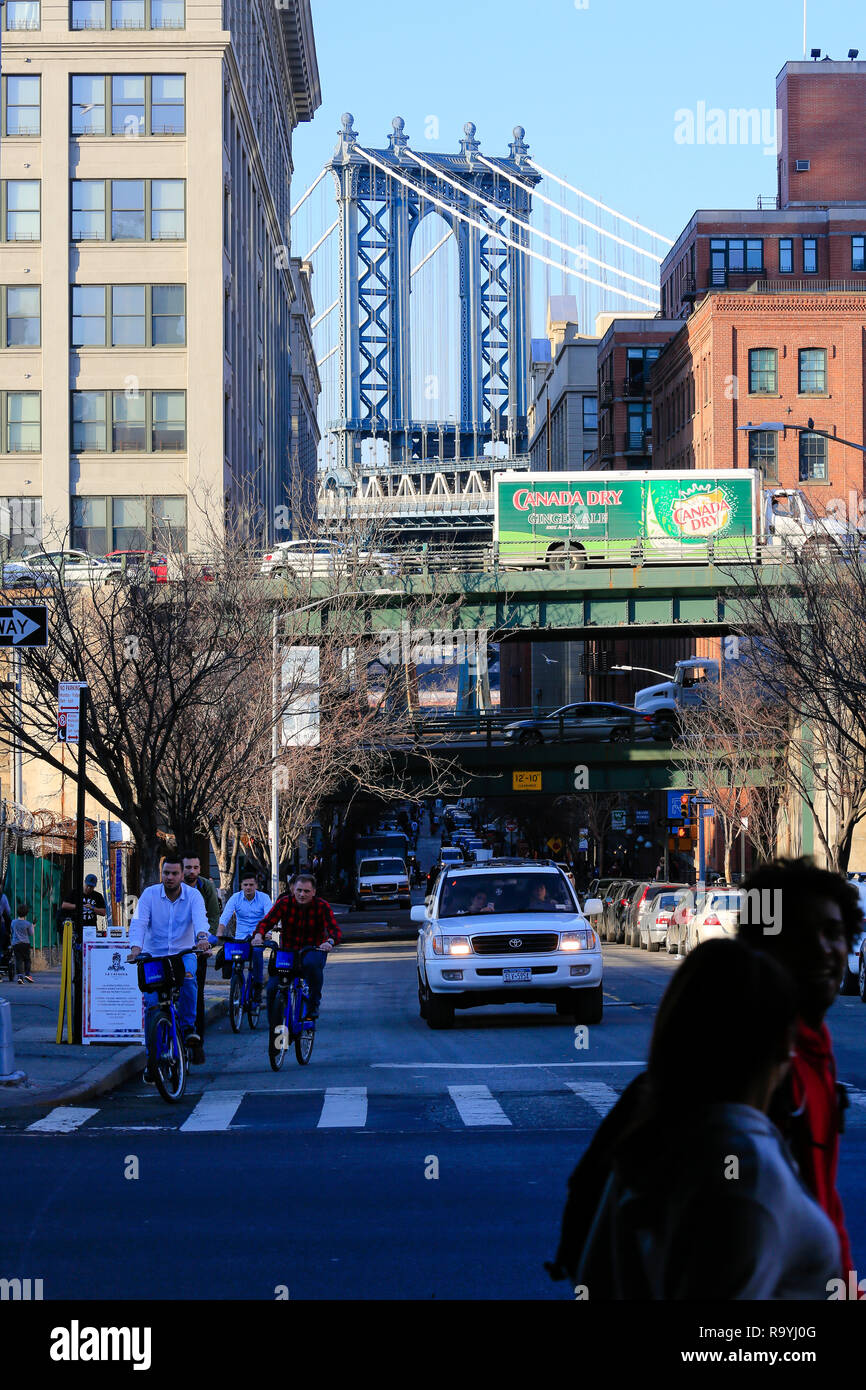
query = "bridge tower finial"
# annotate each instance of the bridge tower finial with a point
(469, 145)
(518, 149)
(348, 137)
(398, 140)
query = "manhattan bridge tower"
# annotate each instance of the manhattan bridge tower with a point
(384, 196)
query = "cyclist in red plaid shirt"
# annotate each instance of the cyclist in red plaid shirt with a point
(304, 920)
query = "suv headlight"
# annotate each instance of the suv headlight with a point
(451, 946)
(585, 940)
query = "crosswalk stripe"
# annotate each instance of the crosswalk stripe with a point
(215, 1110)
(857, 1097)
(344, 1107)
(601, 1097)
(477, 1106)
(62, 1120)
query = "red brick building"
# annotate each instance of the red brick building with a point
(626, 356)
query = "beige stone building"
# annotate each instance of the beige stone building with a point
(145, 282)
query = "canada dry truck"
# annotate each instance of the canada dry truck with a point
(566, 520)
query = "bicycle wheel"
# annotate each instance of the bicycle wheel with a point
(254, 1008)
(278, 1034)
(304, 1028)
(236, 1001)
(169, 1060)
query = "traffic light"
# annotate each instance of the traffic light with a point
(684, 806)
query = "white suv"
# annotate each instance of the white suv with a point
(508, 930)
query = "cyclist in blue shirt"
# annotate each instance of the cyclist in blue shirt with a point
(248, 907)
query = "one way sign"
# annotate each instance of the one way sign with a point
(24, 627)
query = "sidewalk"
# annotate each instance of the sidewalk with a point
(60, 1074)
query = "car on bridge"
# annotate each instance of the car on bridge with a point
(591, 722)
(319, 559)
(508, 931)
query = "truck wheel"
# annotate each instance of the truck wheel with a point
(589, 1005)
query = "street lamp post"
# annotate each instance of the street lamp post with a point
(652, 671)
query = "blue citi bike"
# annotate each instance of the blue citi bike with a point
(242, 991)
(289, 1022)
(167, 1058)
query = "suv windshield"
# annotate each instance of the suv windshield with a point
(505, 892)
(382, 866)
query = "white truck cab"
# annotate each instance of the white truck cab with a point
(694, 682)
(789, 523)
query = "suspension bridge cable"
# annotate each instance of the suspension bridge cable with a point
(305, 196)
(580, 252)
(323, 238)
(589, 198)
(602, 231)
(500, 236)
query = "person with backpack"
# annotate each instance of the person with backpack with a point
(805, 918)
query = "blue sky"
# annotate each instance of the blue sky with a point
(597, 88)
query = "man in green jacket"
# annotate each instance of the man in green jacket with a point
(192, 877)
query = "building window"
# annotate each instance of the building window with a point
(812, 371)
(22, 14)
(141, 315)
(128, 316)
(735, 256)
(101, 524)
(89, 528)
(763, 452)
(762, 372)
(139, 104)
(813, 457)
(639, 431)
(127, 14)
(858, 253)
(21, 422)
(810, 255)
(144, 422)
(21, 105)
(129, 207)
(590, 414)
(20, 316)
(19, 209)
(26, 523)
(786, 255)
(589, 455)
(88, 105)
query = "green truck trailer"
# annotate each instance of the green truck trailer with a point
(564, 520)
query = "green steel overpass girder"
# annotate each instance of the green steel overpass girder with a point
(560, 769)
(580, 603)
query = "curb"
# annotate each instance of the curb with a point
(103, 1076)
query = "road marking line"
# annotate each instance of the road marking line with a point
(345, 1107)
(215, 1110)
(857, 1097)
(62, 1120)
(477, 1106)
(490, 1066)
(602, 1098)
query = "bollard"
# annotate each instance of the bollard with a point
(8, 1074)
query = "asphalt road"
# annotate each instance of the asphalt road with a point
(401, 1163)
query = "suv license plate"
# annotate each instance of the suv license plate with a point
(516, 977)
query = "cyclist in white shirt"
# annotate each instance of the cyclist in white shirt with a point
(248, 907)
(170, 919)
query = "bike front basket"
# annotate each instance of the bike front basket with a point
(237, 950)
(285, 962)
(166, 972)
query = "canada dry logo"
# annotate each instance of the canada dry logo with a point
(702, 514)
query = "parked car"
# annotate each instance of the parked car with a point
(677, 933)
(450, 854)
(509, 931)
(718, 917)
(851, 980)
(18, 575)
(586, 723)
(619, 908)
(69, 566)
(568, 874)
(642, 911)
(139, 561)
(320, 558)
(654, 921)
(381, 881)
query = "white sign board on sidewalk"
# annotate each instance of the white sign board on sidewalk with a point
(113, 1008)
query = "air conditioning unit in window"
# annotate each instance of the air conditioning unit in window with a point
(801, 166)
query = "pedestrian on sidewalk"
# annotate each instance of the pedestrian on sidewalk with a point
(23, 938)
(738, 1222)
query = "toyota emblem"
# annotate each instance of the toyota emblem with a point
(515, 942)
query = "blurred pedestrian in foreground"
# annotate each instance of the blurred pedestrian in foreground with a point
(807, 918)
(704, 1200)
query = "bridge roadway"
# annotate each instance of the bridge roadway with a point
(705, 599)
